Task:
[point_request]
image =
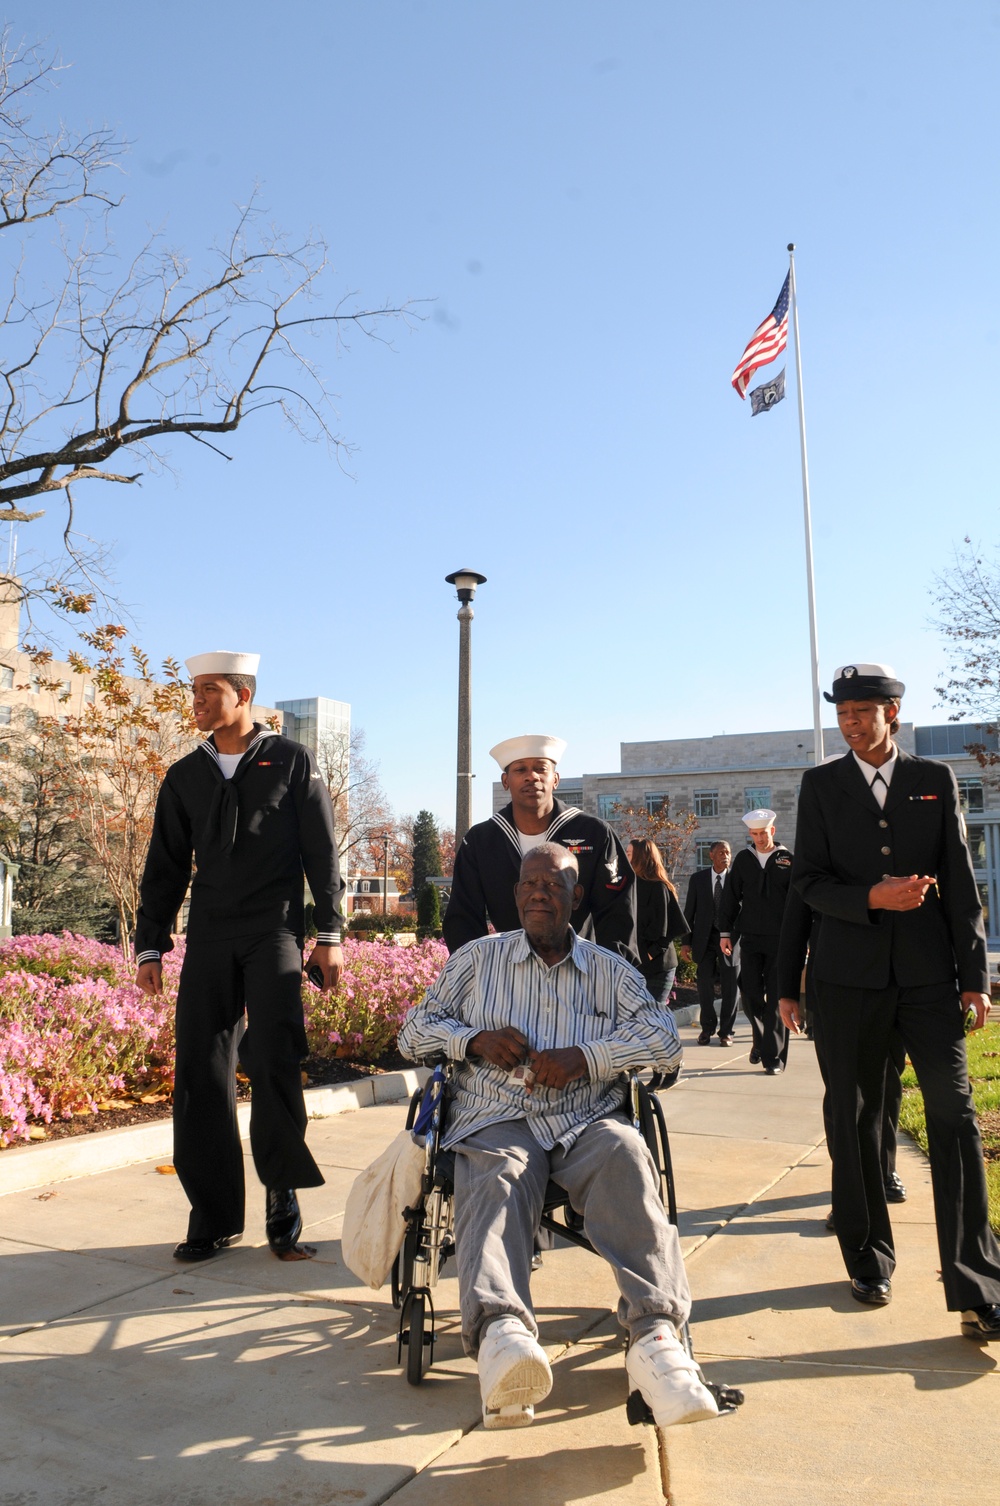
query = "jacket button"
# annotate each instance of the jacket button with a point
(883, 823)
(886, 851)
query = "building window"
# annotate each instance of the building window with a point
(706, 803)
(984, 895)
(757, 797)
(6, 677)
(4, 716)
(970, 793)
(655, 801)
(606, 806)
(703, 853)
(90, 694)
(976, 837)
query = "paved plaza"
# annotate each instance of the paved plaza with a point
(128, 1378)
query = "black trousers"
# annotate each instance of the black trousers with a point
(856, 1027)
(892, 1100)
(261, 975)
(759, 987)
(712, 963)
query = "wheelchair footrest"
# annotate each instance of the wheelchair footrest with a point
(727, 1397)
(637, 1409)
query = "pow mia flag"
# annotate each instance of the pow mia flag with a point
(763, 398)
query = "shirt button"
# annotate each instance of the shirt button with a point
(886, 851)
(883, 823)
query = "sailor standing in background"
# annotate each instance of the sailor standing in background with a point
(880, 852)
(488, 862)
(252, 809)
(753, 906)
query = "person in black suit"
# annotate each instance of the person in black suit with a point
(753, 905)
(799, 929)
(880, 852)
(701, 910)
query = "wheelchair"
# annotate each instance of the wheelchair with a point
(430, 1224)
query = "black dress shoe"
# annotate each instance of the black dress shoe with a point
(203, 1249)
(895, 1192)
(982, 1322)
(725, 1040)
(828, 1222)
(754, 1057)
(704, 1039)
(282, 1220)
(875, 1293)
(773, 1071)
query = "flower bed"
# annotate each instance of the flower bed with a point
(77, 1036)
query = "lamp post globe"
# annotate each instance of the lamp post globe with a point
(465, 583)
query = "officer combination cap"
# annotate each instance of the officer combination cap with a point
(529, 745)
(758, 820)
(222, 662)
(864, 682)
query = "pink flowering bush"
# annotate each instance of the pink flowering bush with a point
(75, 1032)
(361, 1017)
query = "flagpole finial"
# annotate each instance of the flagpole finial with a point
(791, 245)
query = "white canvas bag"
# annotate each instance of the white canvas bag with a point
(374, 1225)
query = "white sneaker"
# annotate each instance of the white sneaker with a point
(661, 1369)
(514, 1373)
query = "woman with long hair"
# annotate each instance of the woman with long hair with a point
(659, 918)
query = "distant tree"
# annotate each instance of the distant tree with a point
(117, 752)
(674, 836)
(967, 596)
(428, 909)
(59, 886)
(109, 353)
(360, 806)
(426, 849)
(447, 842)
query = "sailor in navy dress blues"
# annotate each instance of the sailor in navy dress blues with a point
(251, 809)
(881, 854)
(752, 908)
(488, 861)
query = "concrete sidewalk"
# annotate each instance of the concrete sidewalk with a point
(128, 1378)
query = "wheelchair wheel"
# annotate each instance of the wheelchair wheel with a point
(415, 1345)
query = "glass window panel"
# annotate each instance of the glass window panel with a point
(757, 797)
(977, 845)
(706, 803)
(606, 806)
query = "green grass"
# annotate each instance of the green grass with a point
(984, 1073)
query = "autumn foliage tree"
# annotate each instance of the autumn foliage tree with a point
(673, 835)
(117, 751)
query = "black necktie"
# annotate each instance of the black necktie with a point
(717, 898)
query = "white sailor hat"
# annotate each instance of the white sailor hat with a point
(220, 662)
(862, 682)
(529, 745)
(757, 820)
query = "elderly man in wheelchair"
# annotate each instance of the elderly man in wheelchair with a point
(541, 1026)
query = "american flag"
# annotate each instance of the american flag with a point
(766, 343)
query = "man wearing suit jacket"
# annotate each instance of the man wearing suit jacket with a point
(701, 911)
(880, 852)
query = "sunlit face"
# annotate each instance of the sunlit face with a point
(865, 725)
(531, 782)
(763, 839)
(216, 703)
(721, 856)
(545, 895)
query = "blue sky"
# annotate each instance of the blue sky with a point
(595, 200)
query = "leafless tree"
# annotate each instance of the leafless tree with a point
(107, 359)
(967, 596)
(360, 806)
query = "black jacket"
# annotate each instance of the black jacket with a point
(251, 837)
(659, 922)
(845, 843)
(753, 901)
(488, 863)
(699, 909)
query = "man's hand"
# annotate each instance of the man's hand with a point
(899, 893)
(330, 961)
(791, 1015)
(555, 1069)
(981, 1004)
(505, 1048)
(149, 978)
(685, 952)
(726, 946)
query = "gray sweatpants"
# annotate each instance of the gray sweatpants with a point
(501, 1173)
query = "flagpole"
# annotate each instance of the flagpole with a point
(810, 582)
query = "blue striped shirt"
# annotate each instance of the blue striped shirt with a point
(591, 999)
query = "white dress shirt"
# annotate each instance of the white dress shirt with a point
(878, 778)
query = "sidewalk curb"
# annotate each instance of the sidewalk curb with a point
(27, 1166)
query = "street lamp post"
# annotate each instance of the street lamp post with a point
(465, 583)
